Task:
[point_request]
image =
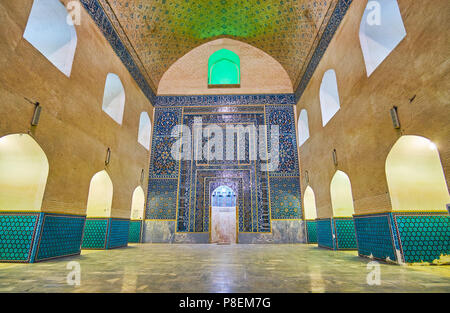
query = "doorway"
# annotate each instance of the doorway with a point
(223, 215)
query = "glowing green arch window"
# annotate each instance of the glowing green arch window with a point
(224, 69)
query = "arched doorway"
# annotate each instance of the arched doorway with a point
(223, 215)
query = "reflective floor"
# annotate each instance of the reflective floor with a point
(220, 268)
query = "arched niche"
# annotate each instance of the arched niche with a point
(145, 130)
(23, 173)
(309, 202)
(114, 98)
(380, 31)
(303, 127)
(50, 33)
(138, 204)
(415, 177)
(100, 195)
(329, 96)
(341, 195)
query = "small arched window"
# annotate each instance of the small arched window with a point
(224, 69)
(114, 98)
(381, 30)
(341, 195)
(329, 96)
(303, 127)
(50, 33)
(145, 130)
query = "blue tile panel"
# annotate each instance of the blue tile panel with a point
(17, 236)
(205, 100)
(285, 198)
(134, 234)
(374, 236)
(180, 190)
(95, 233)
(345, 233)
(105, 233)
(61, 236)
(311, 231)
(424, 237)
(325, 233)
(118, 233)
(33, 237)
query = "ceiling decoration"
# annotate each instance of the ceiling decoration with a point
(150, 35)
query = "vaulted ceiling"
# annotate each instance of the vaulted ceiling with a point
(158, 32)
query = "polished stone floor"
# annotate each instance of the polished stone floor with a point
(220, 268)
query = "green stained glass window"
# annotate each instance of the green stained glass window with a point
(224, 69)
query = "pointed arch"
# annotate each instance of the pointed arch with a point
(49, 32)
(329, 96)
(380, 31)
(138, 204)
(341, 195)
(23, 173)
(100, 195)
(145, 130)
(114, 98)
(309, 202)
(224, 68)
(415, 176)
(303, 127)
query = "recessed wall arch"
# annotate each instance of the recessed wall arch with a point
(138, 204)
(341, 195)
(114, 98)
(100, 195)
(23, 173)
(49, 32)
(415, 176)
(309, 203)
(329, 96)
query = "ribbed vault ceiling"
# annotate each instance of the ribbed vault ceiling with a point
(158, 32)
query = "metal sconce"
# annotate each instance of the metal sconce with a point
(394, 117)
(306, 177)
(335, 161)
(36, 114)
(108, 156)
(142, 177)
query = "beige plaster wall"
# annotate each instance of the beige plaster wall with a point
(73, 130)
(362, 131)
(260, 73)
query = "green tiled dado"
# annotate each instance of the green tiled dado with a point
(423, 238)
(134, 231)
(95, 232)
(345, 233)
(17, 234)
(311, 227)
